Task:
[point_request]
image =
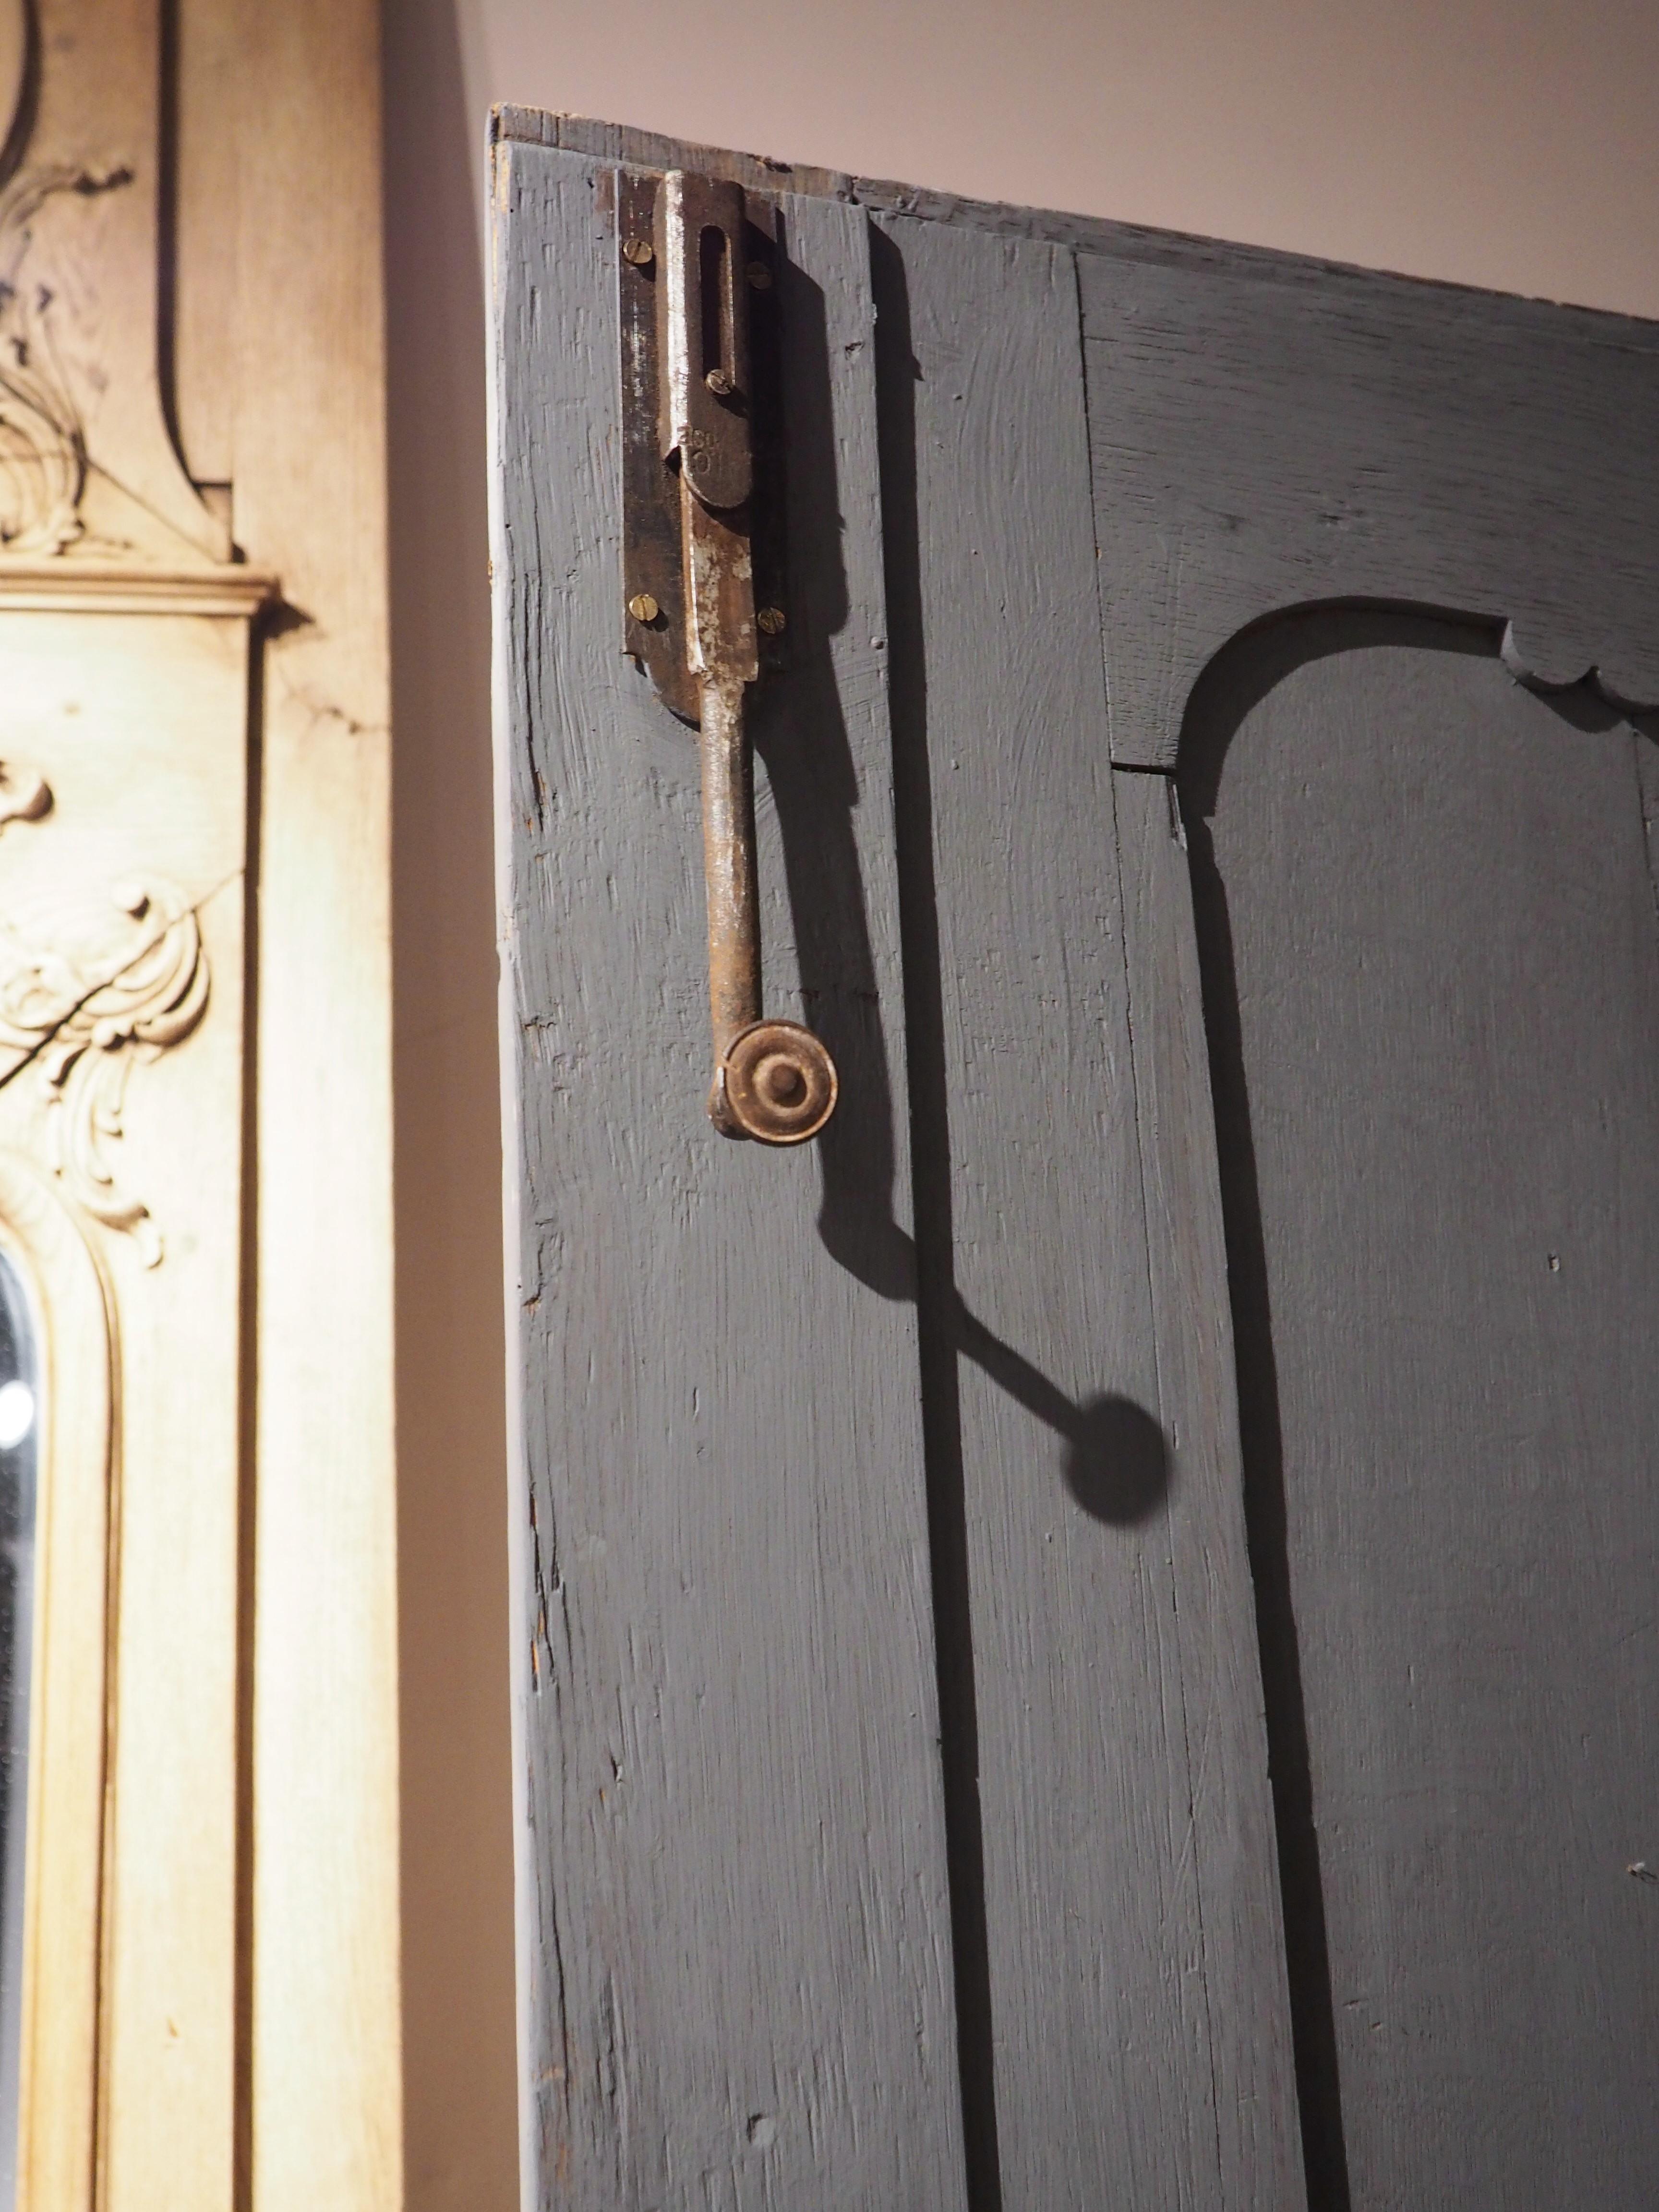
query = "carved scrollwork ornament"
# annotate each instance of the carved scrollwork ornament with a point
(81, 1025)
(149, 1005)
(43, 443)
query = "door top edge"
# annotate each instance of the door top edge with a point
(1097, 235)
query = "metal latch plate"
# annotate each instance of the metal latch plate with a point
(653, 566)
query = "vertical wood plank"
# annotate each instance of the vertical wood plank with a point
(323, 2110)
(144, 720)
(735, 1957)
(1100, 2027)
(1234, 1852)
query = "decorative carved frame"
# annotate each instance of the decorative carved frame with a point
(141, 323)
(98, 517)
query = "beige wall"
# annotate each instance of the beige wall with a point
(1506, 142)
(1511, 145)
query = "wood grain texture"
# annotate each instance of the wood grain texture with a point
(1432, 980)
(126, 889)
(1102, 2032)
(1233, 1849)
(324, 2116)
(735, 1955)
(1260, 443)
(188, 761)
(164, 724)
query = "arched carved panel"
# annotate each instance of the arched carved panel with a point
(1430, 980)
(1269, 435)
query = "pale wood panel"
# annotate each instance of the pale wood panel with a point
(135, 724)
(1099, 2019)
(79, 233)
(128, 683)
(736, 1962)
(168, 2129)
(211, 87)
(309, 502)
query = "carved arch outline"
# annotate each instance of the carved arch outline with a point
(1288, 621)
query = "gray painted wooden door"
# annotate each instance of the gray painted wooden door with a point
(1089, 1641)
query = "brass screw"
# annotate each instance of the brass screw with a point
(771, 620)
(640, 251)
(759, 276)
(719, 383)
(643, 607)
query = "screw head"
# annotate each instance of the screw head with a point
(759, 276)
(772, 620)
(643, 607)
(639, 250)
(719, 383)
(780, 1081)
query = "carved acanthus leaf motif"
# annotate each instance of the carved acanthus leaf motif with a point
(43, 446)
(84, 1031)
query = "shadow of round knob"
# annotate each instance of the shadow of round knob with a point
(780, 1083)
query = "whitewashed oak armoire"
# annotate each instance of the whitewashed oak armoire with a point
(198, 1995)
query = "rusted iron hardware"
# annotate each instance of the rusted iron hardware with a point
(694, 488)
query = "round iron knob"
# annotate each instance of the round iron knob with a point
(780, 1083)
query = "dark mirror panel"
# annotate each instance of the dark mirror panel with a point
(19, 1432)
